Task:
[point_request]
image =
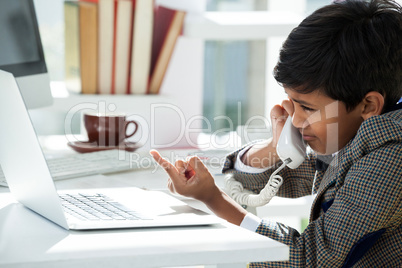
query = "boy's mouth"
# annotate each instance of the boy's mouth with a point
(307, 136)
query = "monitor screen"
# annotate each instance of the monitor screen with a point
(21, 51)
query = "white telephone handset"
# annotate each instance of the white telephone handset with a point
(291, 150)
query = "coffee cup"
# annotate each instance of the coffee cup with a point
(108, 129)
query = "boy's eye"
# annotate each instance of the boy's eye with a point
(308, 109)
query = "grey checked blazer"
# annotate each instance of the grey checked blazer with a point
(356, 217)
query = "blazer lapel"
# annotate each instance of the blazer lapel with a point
(329, 179)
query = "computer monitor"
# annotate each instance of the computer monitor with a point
(21, 52)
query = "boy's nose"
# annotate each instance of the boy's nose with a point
(298, 121)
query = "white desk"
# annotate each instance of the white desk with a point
(29, 240)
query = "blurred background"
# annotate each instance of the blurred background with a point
(235, 72)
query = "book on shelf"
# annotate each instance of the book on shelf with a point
(143, 17)
(105, 45)
(168, 27)
(72, 73)
(122, 42)
(119, 46)
(88, 21)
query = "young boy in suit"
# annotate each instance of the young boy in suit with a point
(342, 71)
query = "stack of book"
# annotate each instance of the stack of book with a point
(118, 46)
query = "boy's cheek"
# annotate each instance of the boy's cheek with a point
(332, 139)
(314, 118)
(319, 147)
(319, 121)
(327, 115)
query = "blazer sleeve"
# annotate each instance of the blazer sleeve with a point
(297, 182)
(367, 201)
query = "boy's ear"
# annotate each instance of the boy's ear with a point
(373, 104)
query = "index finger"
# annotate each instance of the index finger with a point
(278, 113)
(165, 164)
(288, 106)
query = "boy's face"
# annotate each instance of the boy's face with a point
(324, 123)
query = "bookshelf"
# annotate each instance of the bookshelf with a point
(183, 84)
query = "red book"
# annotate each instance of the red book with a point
(168, 26)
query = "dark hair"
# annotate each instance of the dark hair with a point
(346, 50)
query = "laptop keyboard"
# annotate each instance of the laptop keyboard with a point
(97, 207)
(78, 165)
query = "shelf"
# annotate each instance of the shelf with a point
(64, 100)
(252, 25)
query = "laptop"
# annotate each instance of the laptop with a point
(30, 182)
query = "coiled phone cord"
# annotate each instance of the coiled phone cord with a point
(246, 197)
